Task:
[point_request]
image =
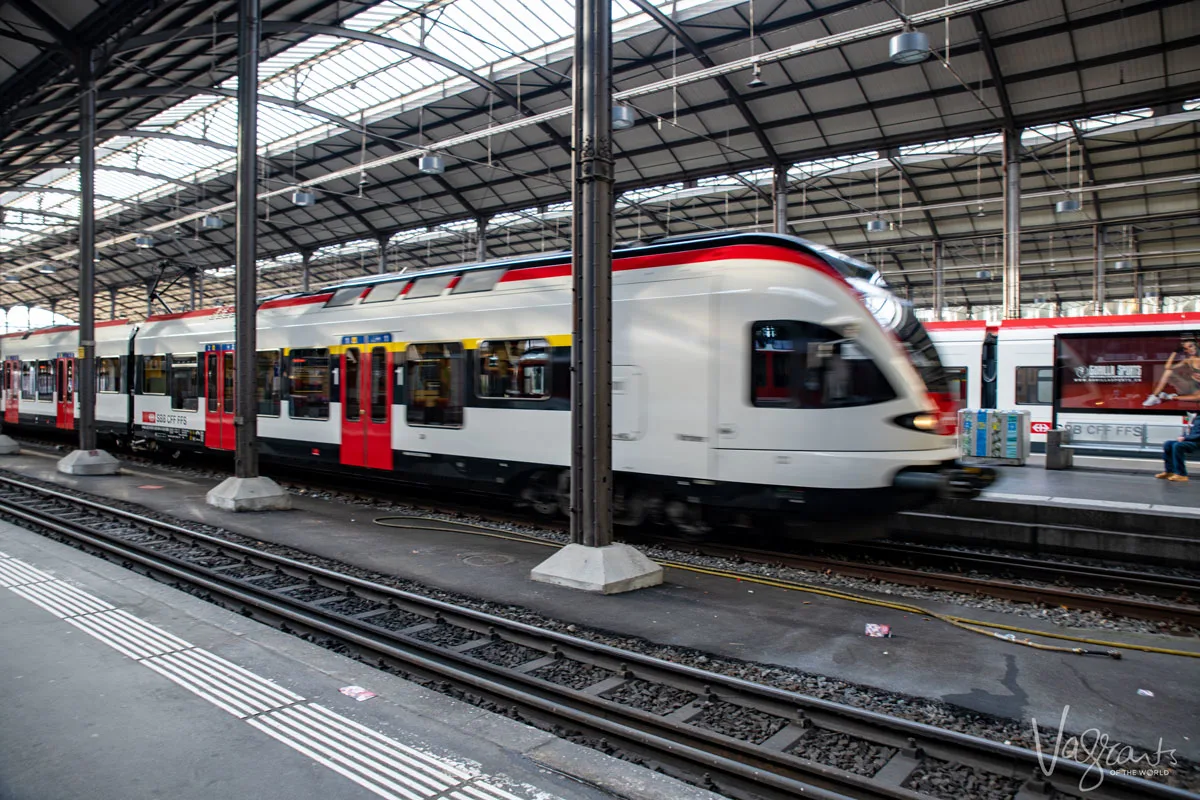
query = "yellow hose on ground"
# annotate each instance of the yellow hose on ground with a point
(974, 626)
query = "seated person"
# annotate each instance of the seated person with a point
(1175, 453)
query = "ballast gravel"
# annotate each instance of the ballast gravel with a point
(842, 751)
(397, 620)
(507, 654)
(246, 572)
(445, 635)
(738, 722)
(572, 674)
(274, 581)
(652, 697)
(957, 781)
(353, 606)
(312, 594)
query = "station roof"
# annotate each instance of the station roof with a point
(725, 94)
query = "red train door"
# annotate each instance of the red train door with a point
(64, 386)
(12, 391)
(218, 400)
(366, 407)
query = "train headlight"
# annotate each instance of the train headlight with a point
(925, 422)
(935, 422)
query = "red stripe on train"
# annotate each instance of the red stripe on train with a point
(678, 258)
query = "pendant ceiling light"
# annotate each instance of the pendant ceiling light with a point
(908, 47)
(431, 164)
(622, 117)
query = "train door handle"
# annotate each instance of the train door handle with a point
(727, 430)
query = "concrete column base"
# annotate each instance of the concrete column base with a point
(249, 494)
(88, 462)
(607, 570)
(8, 446)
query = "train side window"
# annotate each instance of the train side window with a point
(379, 385)
(1035, 386)
(108, 375)
(802, 365)
(386, 292)
(185, 383)
(268, 383)
(434, 384)
(516, 369)
(210, 380)
(352, 406)
(45, 381)
(28, 385)
(345, 297)
(154, 374)
(309, 387)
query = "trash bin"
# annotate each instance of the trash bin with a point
(1058, 456)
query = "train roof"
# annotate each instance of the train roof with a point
(57, 329)
(500, 271)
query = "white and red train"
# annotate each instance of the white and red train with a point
(1012, 365)
(752, 374)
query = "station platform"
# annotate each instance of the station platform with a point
(119, 687)
(1103, 482)
(734, 619)
(1104, 507)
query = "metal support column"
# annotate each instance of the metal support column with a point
(112, 303)
(149, 299)
(305, 262)
(382, 242)
(85, 369)
(200, 290)
(1139, 278)
(1097, 269)
(1012, 224)
(591, 273)
(246, 306)
(481, 226)
(781, 200)
(939, 289)
(592, 561)
(192, 290)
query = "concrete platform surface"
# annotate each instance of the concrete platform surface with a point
(118, 687)
(1125, 484)
(734, 619)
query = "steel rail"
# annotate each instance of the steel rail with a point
(731, 764)
(1049, 595)
(1091, 576)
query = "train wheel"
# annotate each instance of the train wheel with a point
(688, 519)
(631, 505)
(541, 494)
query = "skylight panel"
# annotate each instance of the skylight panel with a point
(353, 79)
(345, 251)
(963, 146)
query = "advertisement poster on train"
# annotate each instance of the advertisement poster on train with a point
(1152, 373)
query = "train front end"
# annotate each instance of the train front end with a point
(949, 479)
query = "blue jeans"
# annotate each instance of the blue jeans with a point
(1175, 455)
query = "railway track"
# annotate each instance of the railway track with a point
(1179, 589)
(1062, 584)
(737, 737)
